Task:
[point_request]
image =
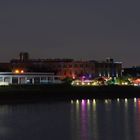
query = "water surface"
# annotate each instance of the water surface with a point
(117, 119)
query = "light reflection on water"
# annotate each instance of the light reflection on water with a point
(117, 119)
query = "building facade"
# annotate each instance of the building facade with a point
(132, 72)
(11, 78)
(108, 68)
(68, 67)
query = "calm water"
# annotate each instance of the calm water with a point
(73, 120)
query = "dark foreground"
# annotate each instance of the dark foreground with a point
(28, 93)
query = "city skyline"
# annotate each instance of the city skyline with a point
(87, 30)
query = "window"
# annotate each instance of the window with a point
(70, 66)
(65, 66)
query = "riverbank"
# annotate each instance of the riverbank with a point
(30, 93)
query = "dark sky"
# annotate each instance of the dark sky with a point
(80, 29)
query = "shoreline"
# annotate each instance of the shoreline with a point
(45, 93)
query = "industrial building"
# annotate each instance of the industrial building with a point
(67, 67)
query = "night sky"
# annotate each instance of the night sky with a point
(80, 29)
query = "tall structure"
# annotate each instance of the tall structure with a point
(24, 56)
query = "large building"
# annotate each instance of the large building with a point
(5, 67)
(108, 68)
(64, 67)
(132, 72)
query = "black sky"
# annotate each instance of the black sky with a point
(80, 29)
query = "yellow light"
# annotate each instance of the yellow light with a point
(83, 83)
(72, 83)
(71, 101)
(125, 100)
(94, 101)
(88, 83)
(106, 101)
(126, 83)
(94, 84)
(77, 101)
(77, 84)
(88, 101)
(17, 71)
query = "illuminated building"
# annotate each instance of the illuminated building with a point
(108, 68)
(68, 67)
(17, 77)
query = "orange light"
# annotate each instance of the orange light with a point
(17, 71)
